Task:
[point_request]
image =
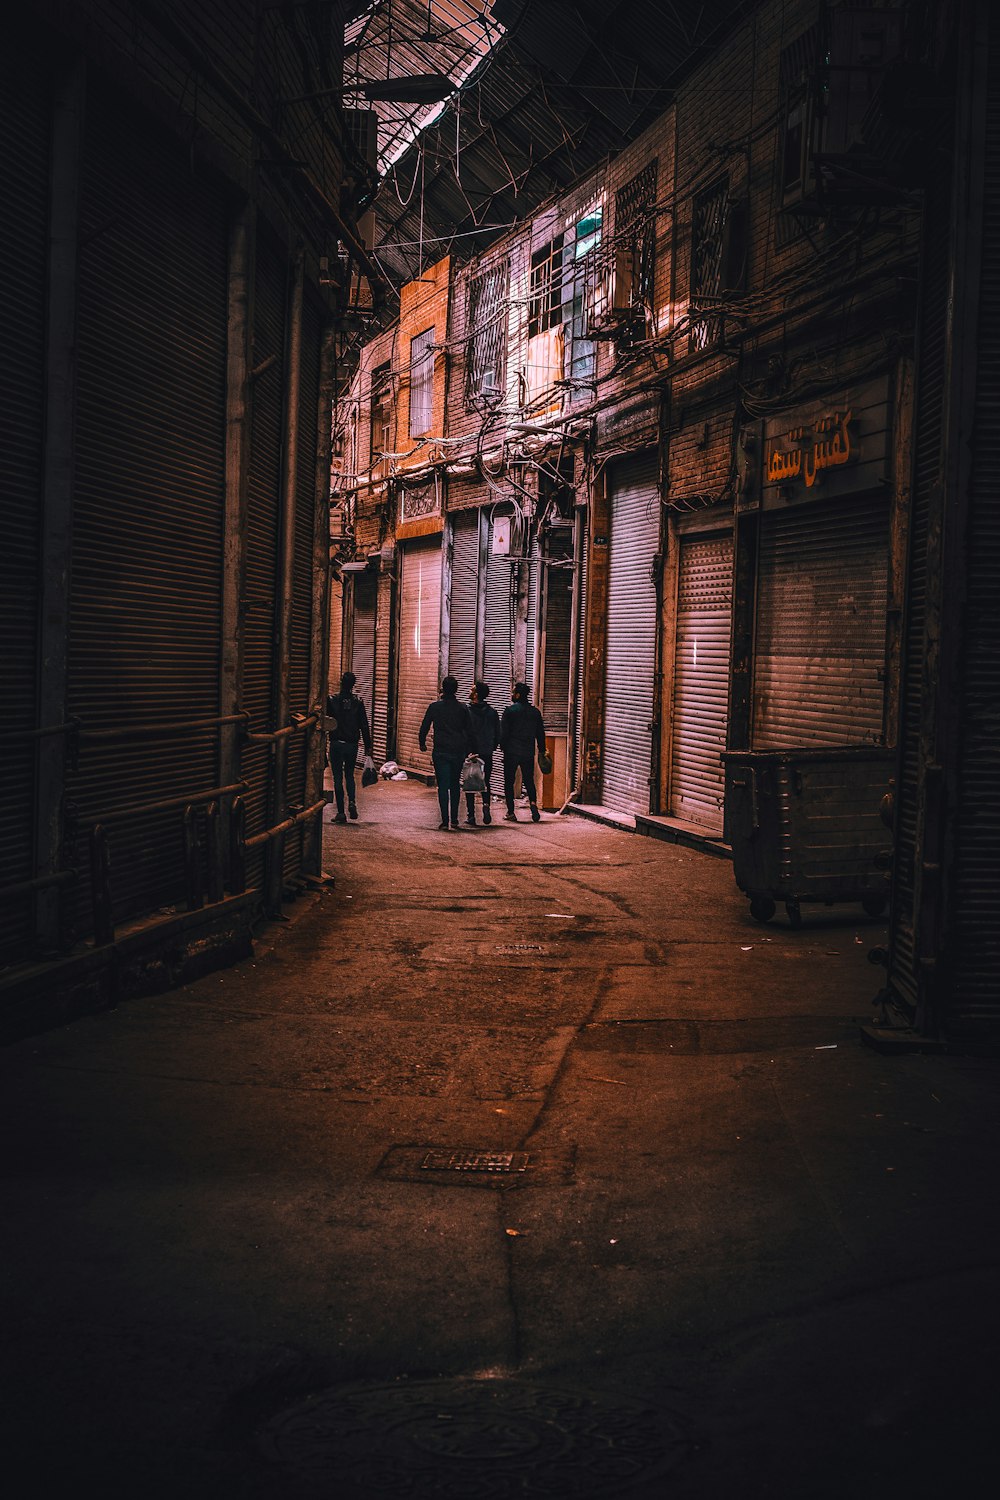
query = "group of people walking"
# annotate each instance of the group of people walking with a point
(459, 730)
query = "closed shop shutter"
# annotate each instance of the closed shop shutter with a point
(383, 658)
(498, 643)
(261, 535)
(145, 616)
(558, 620)
(464, 601)
(631, 637)
(303, 595)
(701, 679)
(531, 631)
(819, 653)
(24, 121)
(975, 999)
(336, 633)
(363, 639)
(419, 646)
(580, 640)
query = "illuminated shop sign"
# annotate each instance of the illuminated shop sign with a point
(804, 452)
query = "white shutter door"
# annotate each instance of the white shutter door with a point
(631, 648)
(363, 650)
(580, 664)
(383, 632)
(336, 633)
(419, 645)
(701, 679)
(498, 645)
(819, 654)
(464, 599)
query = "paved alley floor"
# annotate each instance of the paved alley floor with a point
(520, 1162)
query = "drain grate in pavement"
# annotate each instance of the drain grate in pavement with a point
(475, 1161)
(497, 1439)
(461, 1167)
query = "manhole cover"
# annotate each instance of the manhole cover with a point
(473, 1440)
(475, 1161)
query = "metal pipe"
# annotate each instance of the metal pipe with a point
(56, 528)
(272, 736)
(167, 804)
(39, 883)
(281, 828)
(162, 731)
(286, 586)
(23, 736)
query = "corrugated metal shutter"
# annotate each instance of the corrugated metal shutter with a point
(531, 631)
(975, 999)
(336, 634)
(819, 650)
(262, 532)
(303, 595)
(631, 636)
(419, 646)
(498, 643)
(145, 614)
(363, 638)
(701, 679)
(24, 183)
(558, 605)
(383, 657)
(579, 686)
(464, 601)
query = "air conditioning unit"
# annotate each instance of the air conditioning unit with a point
(610, 301)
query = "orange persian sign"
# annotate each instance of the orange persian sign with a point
(823, 444)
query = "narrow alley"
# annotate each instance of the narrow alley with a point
(517, 1162)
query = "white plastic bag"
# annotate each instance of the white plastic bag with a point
(473, 778)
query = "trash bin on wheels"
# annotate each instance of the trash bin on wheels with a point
(804, 825)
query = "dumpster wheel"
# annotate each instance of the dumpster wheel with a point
(794, 913)
(873, 906)
(762, 908)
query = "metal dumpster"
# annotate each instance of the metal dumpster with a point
(804, 825)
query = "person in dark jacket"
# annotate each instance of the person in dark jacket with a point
(521, 732)
(351, 726)
(454, 739)
(487, 725)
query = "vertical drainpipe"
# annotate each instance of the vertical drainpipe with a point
(57, 493)
(319, 659)
(241, 237)
(274, 876)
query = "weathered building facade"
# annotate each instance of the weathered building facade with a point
(173, 209)
(632, 377)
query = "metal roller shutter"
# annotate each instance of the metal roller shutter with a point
(975, 1002)
(558, 623)
(145, 616)
(464, 601)
(531, 625)
(363, 638)
(24, 183)
(303, 597)
(819, 652)
(383, 657)
(580, 642)
(631, 641)
(498, 642)
(336, 634)
(701, 679)
(262, 531)
(419, 646)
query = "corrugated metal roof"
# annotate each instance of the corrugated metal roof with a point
(553, 89)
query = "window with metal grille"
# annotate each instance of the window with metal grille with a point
(421, 382)
(707, 256)
(635, 226)
(797, 84)
(545, 298)
(486, 349)
(586, 240)
(381, 417)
